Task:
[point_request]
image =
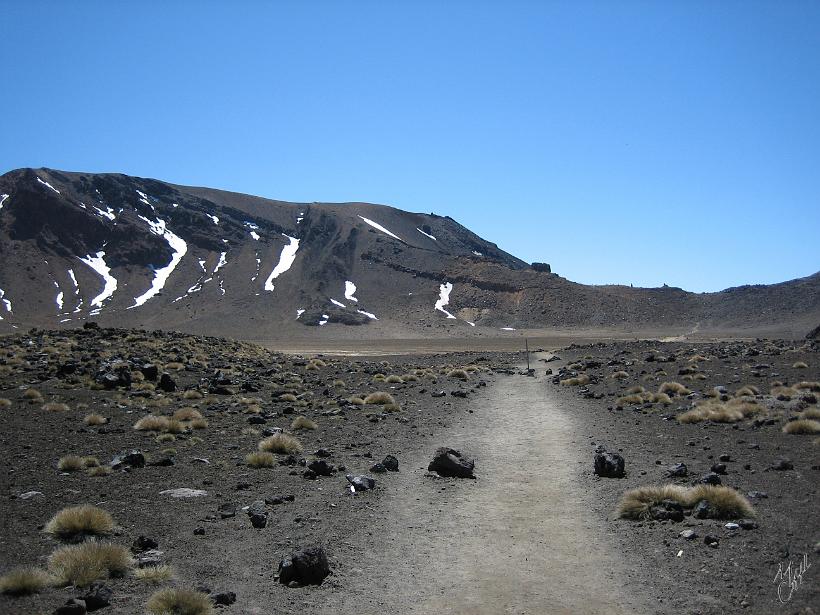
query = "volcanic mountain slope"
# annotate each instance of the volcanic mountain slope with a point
(139, 252)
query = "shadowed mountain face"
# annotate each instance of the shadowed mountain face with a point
(128, 251)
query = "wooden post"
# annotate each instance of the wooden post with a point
(527, 347)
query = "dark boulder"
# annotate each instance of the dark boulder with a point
(667, 510)
(166, 383)
(321, 467)
(130, 459)
(391, 464)
(449, 462)
(360, 483)
(307, 566)
(679, 470)
(610, 465)
(98, 596)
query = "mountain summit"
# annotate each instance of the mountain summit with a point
(140, 252)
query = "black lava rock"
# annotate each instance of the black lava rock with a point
(307, 566)
(449, 462)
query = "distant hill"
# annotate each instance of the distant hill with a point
(137, 252)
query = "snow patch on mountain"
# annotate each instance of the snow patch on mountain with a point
(59, 298)
(5, 301)
(222, 261)
(444, 291)
(299, 313)
(339, 303)
(426, 234)
(286, 259)
(97, 263)
(379, 227)
(109, 213)
(76, 290)
(368, 314)
(3, 198)
(350, 290)
(215, 219)
(178, 248)
(47, 185)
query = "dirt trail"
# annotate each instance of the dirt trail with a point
(517, 540)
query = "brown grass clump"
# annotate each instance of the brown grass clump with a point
(302, 422)
(319, 363)
(93, 419)
(393, 379)
(260, 459)
(288, 397)
(461, 374)
(725, 501)
(164, 438)
(339, 384)
(281, 443)
(175, 365)
(731, 412)
(56, 406)
(620, 375)
(635, 389)
(151, 422)
(814, 387)
(355, 400)
(33, 395)
(747, 391)
(673, 388)
(97, 471)
(799, 365)
(70, 463)
(199, 424)
(5, 403)
(802, 427)
(784, 393)
(311, 367)
(85, 563)
(24, 581)
(192, 394)
(391, 408)
(90, 462)
(154, 575)
(380, 398)
(576, 381)
(187, 414)
(645, 397)
(379, 378)
(80, 521)
(811, 413)
(174, 601)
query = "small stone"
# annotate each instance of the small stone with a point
(199, 531)
(224, 598)
(391, 463)
(361, 483)
(143, 544)
(783, 464)
(703, 510)
(98, 597)
(710, 479)
(711, 541)
(688, 534)
(184, 492)
(748, 524)
(719, 468)
(732, 526)
(378, 468)
(227, 510)
(679, 470)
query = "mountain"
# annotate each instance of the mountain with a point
(137, 252)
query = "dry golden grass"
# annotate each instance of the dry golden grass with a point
(339, 384)
(281, 443)
(85, 563)
(319, 363)
(725, 501)
(174, 601)
(576, 381)
(311, 367)
(784, 392)
(355, 400)
(391, 408)
(799, 365)
(33, 395)
(646, 397)
(164, 438)
(731, 412)
(288, 397)
(24, 581)
(70, 463)
(80, 521)
(811, 413)
(393, 379)
(191, 394)
(802, 427)
(90, 462)
(56, 406)
(620, 375)
(152, 422)
(673, 388)
(461, 374)
(747, 391)
(98, 471)
(379, 378)
(635, 390)
(199, 424)
(5, 403)
(187, 414)
(260, 459)
(302, 422)
(811, 386)
(94, 419)
(154, 575)
(175, 365)
(379, 397)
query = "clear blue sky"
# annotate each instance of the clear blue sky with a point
(642, 142)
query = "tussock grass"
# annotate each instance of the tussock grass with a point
(799, 365)
(410, 378)
(811, 413)
(461, 374)
(814, 387)
(199, 424)
(280, 443)
(784, 393)
(84, 563)
(175, 366)
(311, 367)
(747, 391)
(379, 378)
(33, 395)
(319, 363)
(70, 463)
(98, 471)
(635, 390)
(390, 408)
(5, 403)
(187, 414)
(90, 462)
(698, 358)
(576, 381)
(302, 422)
(93, 419)
(725, 501)
(620, 375)
(393, 379)
(164, 438)
(152, 422)
(192, 394)
(260, 459)
(79, 522)
(731, 412)
(379, 398)
(339, 384)
(645, 397)
(673, 388)
(24, 581)
(355, 400)
(287, 397)
(802, 427)
(175, 601)
(154, 575)
(56, 406)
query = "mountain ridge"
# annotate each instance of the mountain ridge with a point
(208, 260)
